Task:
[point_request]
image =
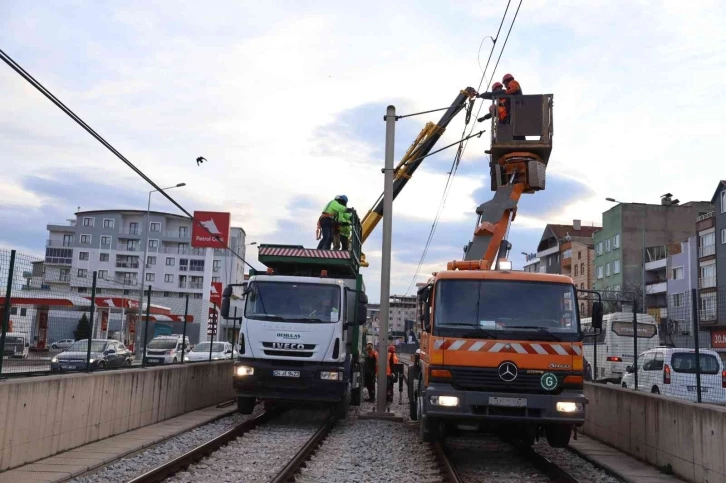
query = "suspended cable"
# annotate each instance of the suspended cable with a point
(30, 79)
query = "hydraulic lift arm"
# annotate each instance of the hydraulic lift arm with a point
(416, 153)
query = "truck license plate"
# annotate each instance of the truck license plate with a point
(511, 402)
(286, 373)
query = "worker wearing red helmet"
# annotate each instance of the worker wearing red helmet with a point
(500, 108)
(392, 359)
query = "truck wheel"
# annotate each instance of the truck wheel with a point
(429, 429)
(558, 435)
(341, 408)
(245, 405)
(355, 396)
(413, 396)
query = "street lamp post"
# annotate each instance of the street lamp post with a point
(642, 273)
(145, 232)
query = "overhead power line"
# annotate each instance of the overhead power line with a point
(30, 79)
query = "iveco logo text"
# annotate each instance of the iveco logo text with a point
(507, 371)
(283, 335)
(287, 345)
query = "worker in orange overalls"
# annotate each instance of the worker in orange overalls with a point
(500, 108)
(371, 363)
(390, 380)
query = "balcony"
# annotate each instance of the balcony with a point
(58, 261)
(196, 285)
(67, 226)
(707, 282)
(126, 281)
(59, 243)
(549, 251)
(130, 231)
(707, 316)
(177, 235)
(195, 268)
(127, 264)
(704, 217)
(182, 251)
(706, 250)
(656, 288)
(64, 277)
(182, 285)
(656, 265)
(128, 248)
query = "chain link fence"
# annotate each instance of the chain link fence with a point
(680, 348)
(57, 319)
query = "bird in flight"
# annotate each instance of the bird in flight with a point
(200, 160)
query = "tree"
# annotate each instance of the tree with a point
(83, 329)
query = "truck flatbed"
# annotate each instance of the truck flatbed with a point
(298, 260)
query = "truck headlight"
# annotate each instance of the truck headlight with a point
(449, 401)
(569, 407)
(54, 360)
(331, 376)
(244, 370)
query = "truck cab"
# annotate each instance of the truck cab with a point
(300, 337)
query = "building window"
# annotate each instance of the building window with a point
(169, 278)
(108, 223)
(83, 255)
(86, 239)
(216, 265)
(88, 221)
(723, 236)
(599, 272)
(183, 232)
(582, 268)
(579, 255)
(155, 227)
(576, 270)
(599, 248)
(150, 277)
(104, 257)
(103, 274)
(607, 245)
(616, 266)
(677, 273)
(82, 273)
(616, 241)
(153, 243)
(723, 201)
(549, 260)
(169, 261)
(133, 228)
(67, 240)
(582, 285)
(106, 241)
(607, 269)
(151, 260)
(216, 279)
(196, 265)
(678, 299)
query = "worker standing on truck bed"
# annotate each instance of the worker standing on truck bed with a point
(345, 231)
(330, 216)
(370, 372)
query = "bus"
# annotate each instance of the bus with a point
(614, 343)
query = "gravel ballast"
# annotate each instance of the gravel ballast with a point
(136, 464)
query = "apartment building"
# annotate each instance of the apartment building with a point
(112, 243)
(555, 247)
(633, 244)
(402, 314)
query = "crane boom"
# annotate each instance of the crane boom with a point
(416, 153)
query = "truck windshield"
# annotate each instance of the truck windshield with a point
(166, 344)
(14, 340)
(497, 305)
(295, 302)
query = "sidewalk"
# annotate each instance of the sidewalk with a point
(77, 461)
(627, 468)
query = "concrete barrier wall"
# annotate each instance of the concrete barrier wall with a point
(42, 416)
(660, 430)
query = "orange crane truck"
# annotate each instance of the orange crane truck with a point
(502, 348)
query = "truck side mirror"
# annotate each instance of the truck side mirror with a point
(226, 295)
(426, 321)
(597, 315)
(362, 314)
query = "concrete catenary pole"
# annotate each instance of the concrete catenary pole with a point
(390, 119)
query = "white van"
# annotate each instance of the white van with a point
(615, 343)
(166, 349)
(672, 372)
(16, 345)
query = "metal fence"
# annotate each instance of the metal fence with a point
(58, 320)
(685, 358)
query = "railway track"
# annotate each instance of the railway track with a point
(470, 459)
(260, 447)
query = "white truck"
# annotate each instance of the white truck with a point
(300, 332)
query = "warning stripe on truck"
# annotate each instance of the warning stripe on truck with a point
(304, 252)
(542, 348)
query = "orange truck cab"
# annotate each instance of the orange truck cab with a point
(499, 348)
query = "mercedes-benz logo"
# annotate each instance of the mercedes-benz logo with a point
(507, 371)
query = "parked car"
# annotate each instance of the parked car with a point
(16, 345)
(672, 372)
(62, 344)
(220, 350)
(165, 349)
(105, 353)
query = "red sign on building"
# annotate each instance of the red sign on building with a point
(718, 339)
(210, 229)
(215, 293)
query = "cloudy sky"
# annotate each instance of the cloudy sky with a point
(285, 100)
